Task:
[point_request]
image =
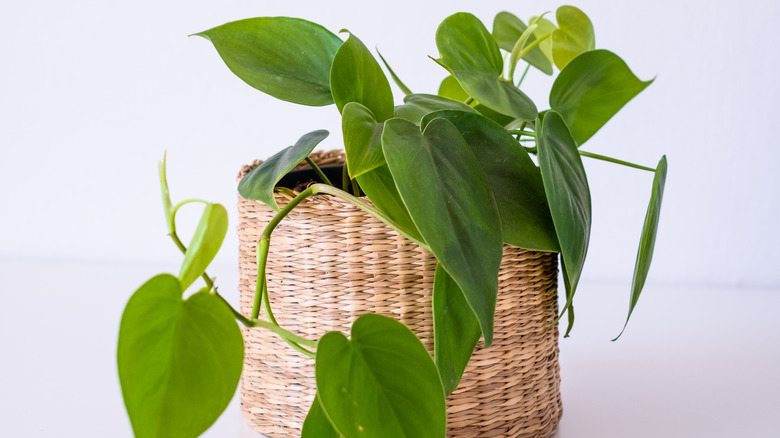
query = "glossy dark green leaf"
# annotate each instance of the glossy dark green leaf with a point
(396, 79)
(591, 89)
(317, 424)
(644, 255)
(449, 198)
(362, 139)
(288, 58)
(205, 243)
(380, 383)
(507, 29)
(357, 77)
(451, 89)
(260, 182)
(418, 105)
(455, 330)
(501, 119)
(567, 191)
(179, 360)
(380, 188)
(514, 179)
(574, 35)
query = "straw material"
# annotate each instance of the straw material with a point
(330, 262)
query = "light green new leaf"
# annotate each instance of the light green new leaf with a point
(362, 139)
(379, 186)
(514, 179)
(567, 193)
(644, 255)
(416, 106)
(450, 200)
(396, 79)
(179, 360)
(205, 243)
(317, 424)
(591, 89)
(544, 27)
(455, 330)
(166, 197)
(288, 58)
(451, 89)
(507, 29)
(574, 35)
(260, 182)
(381, 383)
(356, 77)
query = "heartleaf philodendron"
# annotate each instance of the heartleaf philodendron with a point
(205, 243)
(573, 36)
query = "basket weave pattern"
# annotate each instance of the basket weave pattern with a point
(330, 262)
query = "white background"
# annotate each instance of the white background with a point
(92, 93)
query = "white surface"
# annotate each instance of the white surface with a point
(91, 93)
(693, 362)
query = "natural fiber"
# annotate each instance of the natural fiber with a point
(330, 262)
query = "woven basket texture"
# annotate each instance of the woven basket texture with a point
(330, 262)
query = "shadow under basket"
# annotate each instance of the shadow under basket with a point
(331, 262)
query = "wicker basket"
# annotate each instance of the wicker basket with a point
(330, 262)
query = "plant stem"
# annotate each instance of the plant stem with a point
(318, 171)
(522, 132)
(469, 100)
(616, 161)
(283, 333)
(533, 44)
(525, 72)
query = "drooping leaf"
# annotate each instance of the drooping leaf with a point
(497, 94)
(644, 254)
(260, 182)
(396, 79)
(357, 77)
(507, 29)
(451, 89)
(574, 35)
(449, 198)
(317, 424)
(288, 58)
(205, 243)
(568, 194)
(362, 139)
(416, 106)
(179, 360)
(381, 383)
(379, 186)
(591, 89)
(569, 304)
(455, 329)
(514, 179)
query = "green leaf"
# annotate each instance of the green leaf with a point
(497, 94)
(381, 383)
(166, 197)
(362, 139)
(455, 329)
(380, 188)
(449, 198)
(395, 77)
(567, 191)
(288, 58)
(644, 255)
(514, 179)
(205, 243)
(179, 360)
(317, 424)
(416, 106)
(574, 35)
(507, 29)
(357, 77)
(591, 89)
(451, 89)
(544, 27)
(259, 184)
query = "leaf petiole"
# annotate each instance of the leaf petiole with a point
(615, 160)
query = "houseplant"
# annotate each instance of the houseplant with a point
(451, 172)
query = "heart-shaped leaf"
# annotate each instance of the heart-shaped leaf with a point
(205, 243)
(179, 360)
(259, 184)
(362, 139)
(381, 383)
(544, 27)
(416, 106)
(449, 198)
(574, 35)
(568, 194)
(497, 94)
(514, 179)
(455, 329)
(288, 58)
(644, 255)
(591, 89)
(451, 89)
(507, 29)
(357, 77)
(317, 424)
(379, 186)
